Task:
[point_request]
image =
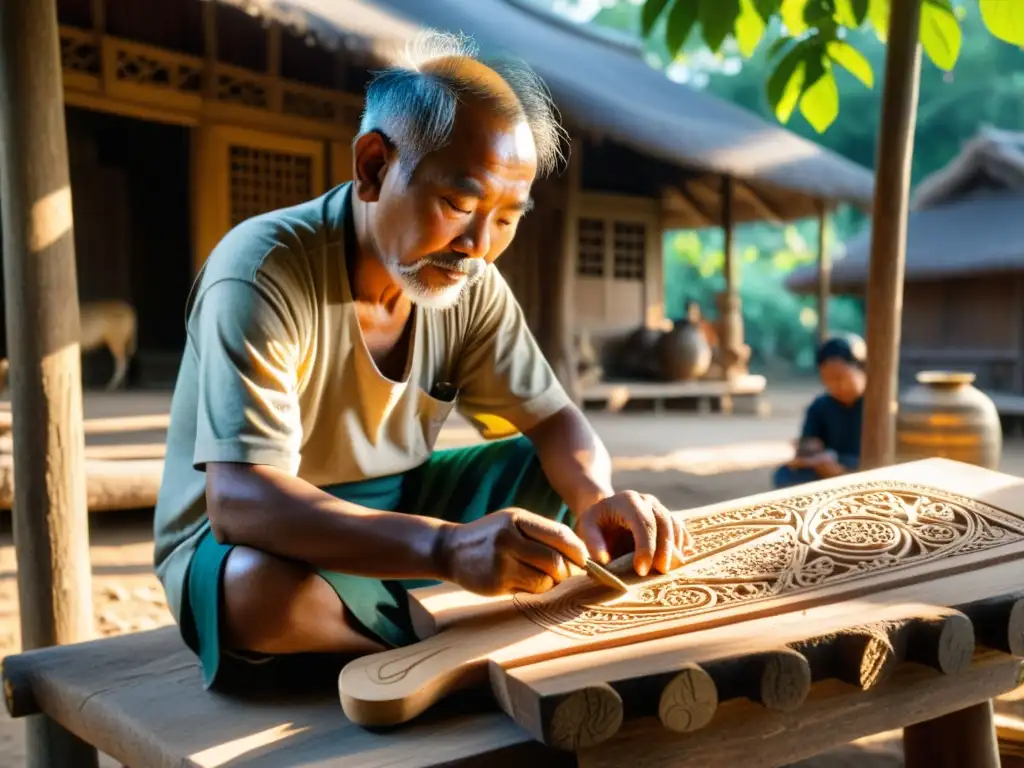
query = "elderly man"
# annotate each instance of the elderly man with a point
(327, 344)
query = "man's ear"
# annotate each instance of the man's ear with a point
(373, 155)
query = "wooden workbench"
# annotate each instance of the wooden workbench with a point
(139, 698)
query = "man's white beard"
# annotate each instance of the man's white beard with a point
(421, 294)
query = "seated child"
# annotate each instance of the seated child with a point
(829, 444)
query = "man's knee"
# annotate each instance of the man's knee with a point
(260, 591)
(273, 605)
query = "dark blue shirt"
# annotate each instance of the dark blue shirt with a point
(837, 426)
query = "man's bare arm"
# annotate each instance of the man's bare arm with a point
(579, 469)
(270, 510)
(574, 458)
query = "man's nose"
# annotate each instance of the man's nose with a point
(475, 241)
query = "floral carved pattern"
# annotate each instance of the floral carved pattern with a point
(761, 552)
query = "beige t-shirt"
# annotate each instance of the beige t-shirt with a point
(275, 372)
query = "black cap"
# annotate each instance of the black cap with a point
(845, 346)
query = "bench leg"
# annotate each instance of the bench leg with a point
(963, 739)
(50, 745)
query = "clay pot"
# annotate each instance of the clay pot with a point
(943, 415)
(684, 352)
(637, 354)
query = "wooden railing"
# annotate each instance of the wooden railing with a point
(127, 71)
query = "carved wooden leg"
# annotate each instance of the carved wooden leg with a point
(963, 739)
(57, 747)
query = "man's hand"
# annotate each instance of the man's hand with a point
(627, 518)
(827, 465)
(511, 550)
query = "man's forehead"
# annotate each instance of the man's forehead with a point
(475, 186)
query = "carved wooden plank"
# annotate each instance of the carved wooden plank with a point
(767, 555)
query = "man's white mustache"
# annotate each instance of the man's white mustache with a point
(463, 266)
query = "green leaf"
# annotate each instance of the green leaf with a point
(940, 33)
(852, 60)
(820, 102)
(717, 20)
(1004, 19)
(750, 28)
(652, 10)
(845, 15)
(680, 22)
(786, 82)
(791, 93)
(792, 13)
(878, 13)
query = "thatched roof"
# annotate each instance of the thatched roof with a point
(966, 218)
(602, 84)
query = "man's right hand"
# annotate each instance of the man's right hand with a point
(510, 551)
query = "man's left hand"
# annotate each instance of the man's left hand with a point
(658, 536)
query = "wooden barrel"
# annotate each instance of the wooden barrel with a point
(945, 416)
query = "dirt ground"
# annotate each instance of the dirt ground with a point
(687, 460)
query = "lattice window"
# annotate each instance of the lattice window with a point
(590, 248)
(307, 105)
(79, 52)
(629, 250)
(154, 67)
(264, 180)
(236, 90)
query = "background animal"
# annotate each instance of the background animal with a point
(110, 323)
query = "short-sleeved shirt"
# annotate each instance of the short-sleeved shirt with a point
(838, 426)
(275, 372)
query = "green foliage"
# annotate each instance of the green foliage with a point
(1005, 19)
(817, 37)
(778, 325)
(988, 76)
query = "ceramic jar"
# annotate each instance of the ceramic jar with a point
(945, 416)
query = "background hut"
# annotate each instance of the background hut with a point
(186, 116)
(963, 304)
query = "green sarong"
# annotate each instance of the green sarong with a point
(458, 485)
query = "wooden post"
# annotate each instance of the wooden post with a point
(730, 314)
(824, 272)
(884, 306)
(41, 295)
(963, 738)
(558, 306)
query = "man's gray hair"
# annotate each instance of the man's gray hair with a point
(414, 105)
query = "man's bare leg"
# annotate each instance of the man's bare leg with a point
(277, 606)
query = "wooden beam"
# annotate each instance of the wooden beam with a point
(675, 199)
(50, 529)
(99, 18)
(764, 210)
(824, 272)
(730, 312)
(209, 48)
(884, 309)
(274, 65)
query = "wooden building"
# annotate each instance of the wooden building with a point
(185, 117)
(963, 303)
